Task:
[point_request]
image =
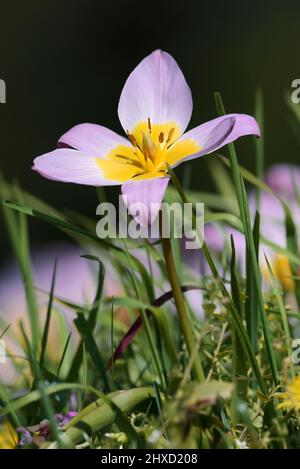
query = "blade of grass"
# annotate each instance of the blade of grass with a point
(84, 372)
(48, 317)
(283, 313)
(85, 331)
(245, 217)
(239, 365)
(251, 303)
(63, 355)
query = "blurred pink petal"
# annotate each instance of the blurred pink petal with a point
(284, 180)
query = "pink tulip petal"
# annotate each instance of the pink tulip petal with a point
(92, 138)
(143, 198)
(218, 132)
(156, 89)
(69, 165)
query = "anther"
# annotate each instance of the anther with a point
(132, 139)
(149, 125)
(161, 137)
(170, 134)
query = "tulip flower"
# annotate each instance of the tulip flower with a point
(154, 109)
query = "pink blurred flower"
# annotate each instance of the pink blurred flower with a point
(76, 282)
(282, 179)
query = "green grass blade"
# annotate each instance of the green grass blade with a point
(245, 217)
(85, 331)
(48, 318)
(251, 303)
(283, 313)
(63, 355)
(239, 364)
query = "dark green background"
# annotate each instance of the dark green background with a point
(65, 62)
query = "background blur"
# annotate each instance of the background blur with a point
(65, 62)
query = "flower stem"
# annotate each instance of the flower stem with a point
(185, 325)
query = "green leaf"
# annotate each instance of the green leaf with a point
(105, 411)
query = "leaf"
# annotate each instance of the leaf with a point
(104, 412)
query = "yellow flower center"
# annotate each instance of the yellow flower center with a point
(152, 146)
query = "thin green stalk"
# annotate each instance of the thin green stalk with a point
(185, 325)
